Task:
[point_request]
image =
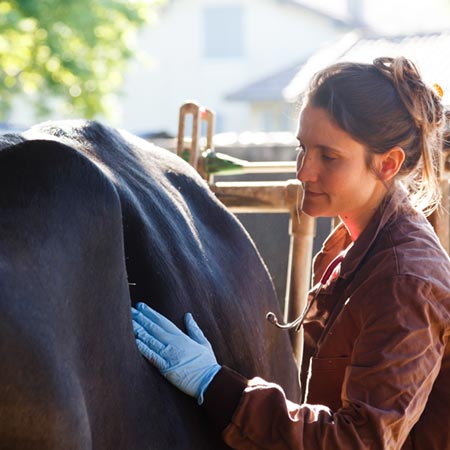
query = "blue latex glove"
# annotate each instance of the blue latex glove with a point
(187, 361)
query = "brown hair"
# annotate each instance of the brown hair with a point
(383, 105)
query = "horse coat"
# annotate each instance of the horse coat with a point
(93, 220)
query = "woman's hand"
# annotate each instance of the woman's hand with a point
(186, 360)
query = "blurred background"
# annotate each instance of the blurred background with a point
(133, 63)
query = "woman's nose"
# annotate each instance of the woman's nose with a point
(306, 170)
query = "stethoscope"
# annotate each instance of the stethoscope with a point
(298, 322)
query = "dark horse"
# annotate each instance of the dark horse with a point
(91, 221)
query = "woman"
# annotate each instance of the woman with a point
(376, 360)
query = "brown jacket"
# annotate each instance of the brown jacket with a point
(376, 361)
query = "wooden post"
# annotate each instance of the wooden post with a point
(302, 231)
(440, 219)
(194, 109)
(279, 197)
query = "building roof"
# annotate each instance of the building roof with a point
(270, 88)
(338, 16)
(428, 51)
(266, 89)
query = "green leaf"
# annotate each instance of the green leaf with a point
(72, 53)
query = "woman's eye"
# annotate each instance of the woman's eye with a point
(328, 157)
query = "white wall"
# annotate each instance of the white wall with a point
(276, 36)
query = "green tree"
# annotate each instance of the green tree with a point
(73, 51)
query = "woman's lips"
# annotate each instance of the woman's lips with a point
(313, 194)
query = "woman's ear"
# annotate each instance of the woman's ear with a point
(391, 162)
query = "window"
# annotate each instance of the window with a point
(223, 32)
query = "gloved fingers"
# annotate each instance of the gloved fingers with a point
(153, 328)
(147, 338)
(158, 318)
(152, 356)
(194, 331)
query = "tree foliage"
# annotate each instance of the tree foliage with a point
(74, 51)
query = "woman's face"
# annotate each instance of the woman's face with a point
(332, 168)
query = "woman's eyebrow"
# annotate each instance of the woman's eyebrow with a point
(329, 149)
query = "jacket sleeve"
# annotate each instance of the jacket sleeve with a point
(394, 363)
(261, 417)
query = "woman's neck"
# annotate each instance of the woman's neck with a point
(356, 222)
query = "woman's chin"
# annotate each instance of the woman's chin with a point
(311, 210)
(315, 212)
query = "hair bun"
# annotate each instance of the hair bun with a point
(422, 103)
